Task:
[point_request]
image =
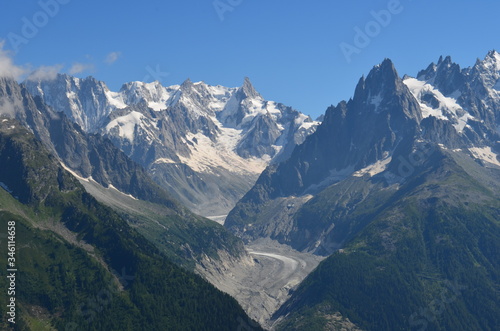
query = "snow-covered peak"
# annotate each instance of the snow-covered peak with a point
(488, 70)
(492, 60)
(445, 74)
(187, 85)
(115, 99)
(434, 103)
(243, 106)
(201, 99)
(468, 98)
(154, 94)
(196, 98)
(383, 92)
(248, 90)
(126, 125)
(265, 128)
(86, 101)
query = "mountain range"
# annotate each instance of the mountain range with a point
(117, 181)
(403, 120)
(399, 188)
(204, 144)
(81, 266)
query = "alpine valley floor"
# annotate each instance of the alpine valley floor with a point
(263, 285)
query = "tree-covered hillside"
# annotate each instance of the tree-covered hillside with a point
(81, 266)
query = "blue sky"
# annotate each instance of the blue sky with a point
(291, 50)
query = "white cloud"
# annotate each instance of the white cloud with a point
(45, 73)
(7, 66)
(112, 57)
(78, 68)
(9, 106)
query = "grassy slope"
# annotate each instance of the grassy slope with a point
(428, 257)
(81, 265)
(183, 239)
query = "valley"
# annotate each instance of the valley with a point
(354, 222)
(206, 145)
(261, 280)
(265, 283)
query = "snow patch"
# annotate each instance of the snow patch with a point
(157, 106)
(272, 108)
(301, 119)
(489, 72)
(219, 96)
(492, 62)
(304, 122)
(219, 218)
(255, 107)
(154, 94)
(164, 160)
(206, 156)
(80, 178)
(91, 180)
(111, 187)
(308, 125)
(126, 125)
(373, 169)
(115, 99)
(486, 154)
(447, 109)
